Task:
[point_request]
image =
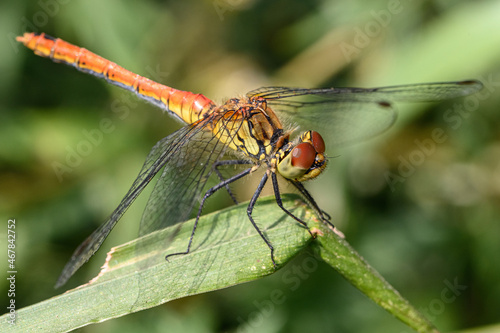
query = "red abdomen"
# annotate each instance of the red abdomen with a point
(185, 105)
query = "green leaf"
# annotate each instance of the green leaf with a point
(226, 251)
(335, 251)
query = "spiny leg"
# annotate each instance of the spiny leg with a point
(205, 197)
(249, 213)
(277, 196)
(221, 178)
(313, 203)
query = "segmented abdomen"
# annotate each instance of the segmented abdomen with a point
(185, 105)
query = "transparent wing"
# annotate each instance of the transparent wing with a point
(184, 178)
(339, 122)
(153, 164)
(419, 92)
(351, 114)
(183, 157)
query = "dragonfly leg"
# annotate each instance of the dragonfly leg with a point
(211, 191)
(221, 178)
(328, 217)
(249, 213)
(313, 203)
(277, 195)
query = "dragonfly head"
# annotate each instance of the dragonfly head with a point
(303, 160)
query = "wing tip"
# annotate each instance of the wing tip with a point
(471, 85)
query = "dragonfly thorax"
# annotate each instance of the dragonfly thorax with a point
(249, 126)
(303, 160)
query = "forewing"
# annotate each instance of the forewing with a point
(184, 178)
(160, 154)
(186, 157)
(351, 114)
(340, 122)
(420, 92)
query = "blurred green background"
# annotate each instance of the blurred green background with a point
(437, 226)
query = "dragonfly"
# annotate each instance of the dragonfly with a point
(245, 132)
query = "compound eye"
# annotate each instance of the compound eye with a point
(318, 142)
(303, 155)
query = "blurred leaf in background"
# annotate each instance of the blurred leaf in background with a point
(425, 214)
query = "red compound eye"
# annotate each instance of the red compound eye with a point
(303, 155)
(317, 141)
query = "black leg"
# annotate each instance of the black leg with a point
(205, 197)
(249, 213)
(277, 195)
(312, 203)
(221, 178)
